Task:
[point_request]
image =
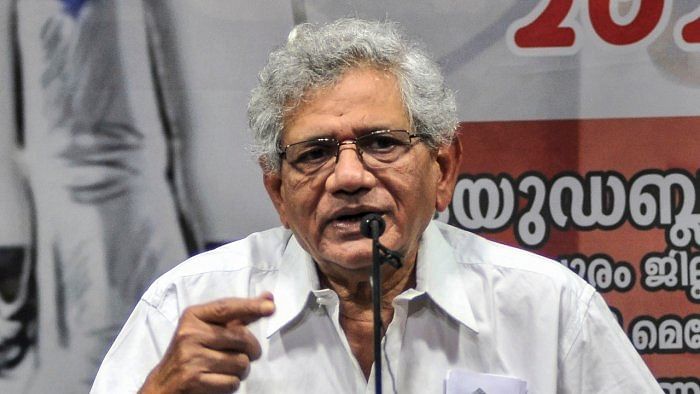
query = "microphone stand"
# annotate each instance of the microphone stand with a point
(376, 280)
(372, 227)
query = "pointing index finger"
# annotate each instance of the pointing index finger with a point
(245, 310)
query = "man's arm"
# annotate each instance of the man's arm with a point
(210, 350)
(601, 358)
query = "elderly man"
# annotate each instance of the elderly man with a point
(351, 119)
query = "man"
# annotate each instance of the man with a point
(351, 119)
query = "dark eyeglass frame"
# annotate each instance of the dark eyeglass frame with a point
(358, 142)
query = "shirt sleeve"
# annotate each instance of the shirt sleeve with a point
(138, 348)
(601, 358)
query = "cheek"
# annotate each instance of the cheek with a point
(413, 189)
(301, 198)
(425, 197)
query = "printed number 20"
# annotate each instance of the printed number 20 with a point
(552, 26)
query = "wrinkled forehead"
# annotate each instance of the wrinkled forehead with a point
(356, 85)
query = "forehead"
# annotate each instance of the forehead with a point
(364, 99)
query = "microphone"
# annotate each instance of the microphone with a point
(372, 225)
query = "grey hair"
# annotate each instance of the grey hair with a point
(317, 56)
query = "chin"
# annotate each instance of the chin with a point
(350, 253)
(357, 262)
(352, 263)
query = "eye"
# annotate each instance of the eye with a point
(382, 142)
(313, 152)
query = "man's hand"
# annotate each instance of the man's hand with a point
(212, 348)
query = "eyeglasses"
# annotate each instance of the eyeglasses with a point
(382, 147)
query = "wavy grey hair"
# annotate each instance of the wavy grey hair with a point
(317, 56)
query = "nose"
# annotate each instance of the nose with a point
(349, 174)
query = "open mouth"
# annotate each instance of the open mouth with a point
(352, 218)
(347, 217)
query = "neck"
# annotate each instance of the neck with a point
(356, 314)
(355, 292)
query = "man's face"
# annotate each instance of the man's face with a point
(324, 209)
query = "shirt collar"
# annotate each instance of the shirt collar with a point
(296, 278)
(438, 274)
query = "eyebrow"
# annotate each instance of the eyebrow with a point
(358, 133)
(367, 130)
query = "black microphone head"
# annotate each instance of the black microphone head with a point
(366, 225)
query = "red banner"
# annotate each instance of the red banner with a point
(612, 199)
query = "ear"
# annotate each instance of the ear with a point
(273, 185)
(448, 159)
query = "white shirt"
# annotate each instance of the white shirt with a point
(477, 306)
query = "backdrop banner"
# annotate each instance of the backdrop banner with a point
(124, 149)
(612, 199)
(105, 223)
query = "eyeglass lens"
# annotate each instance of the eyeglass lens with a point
(375, 149)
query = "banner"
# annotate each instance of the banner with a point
(96, 158)
(615, 201)
(123, 149)
(17, 293)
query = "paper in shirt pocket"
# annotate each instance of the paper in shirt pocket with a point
(466, 382)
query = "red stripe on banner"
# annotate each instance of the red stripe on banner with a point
(639, 259)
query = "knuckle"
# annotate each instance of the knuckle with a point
(254, 351)
(190, 378)
(188, 317)
(235, 383)
(243, 340)
(242, 360)
(244, 365)
(188, 313)
(234, 326)
(249, 306)
(185, 333)
(235, 329)
(238, 336)
(218, 308)
(254, 354)
(226, 384)
(179, 355)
